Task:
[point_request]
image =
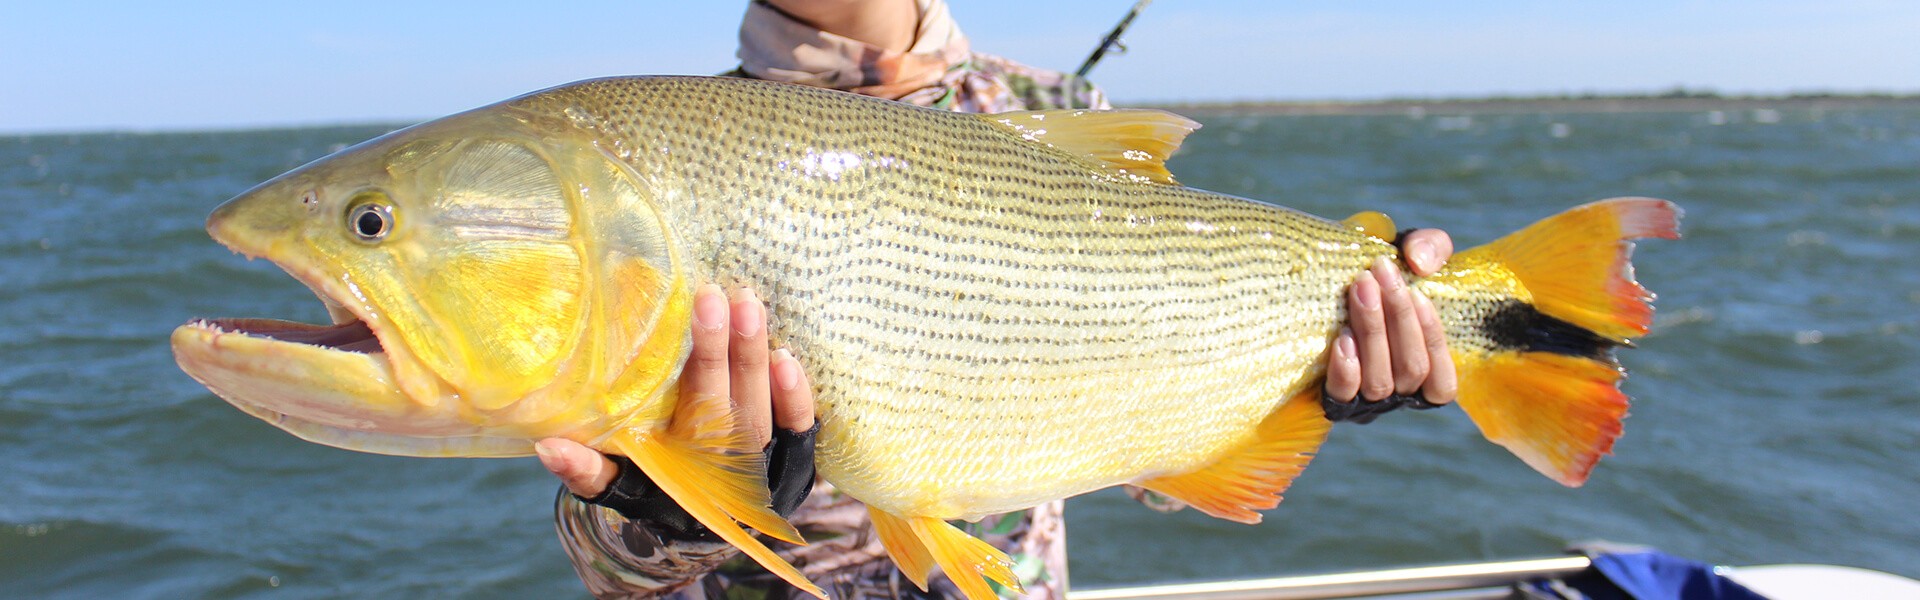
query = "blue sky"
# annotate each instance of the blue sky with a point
(84, 66)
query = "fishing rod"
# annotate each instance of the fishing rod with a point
(1113, 39)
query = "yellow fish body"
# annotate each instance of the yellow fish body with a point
(998, 310)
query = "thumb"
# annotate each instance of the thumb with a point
(585, 472)
(1427, 250)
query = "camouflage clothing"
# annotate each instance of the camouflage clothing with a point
(617, 558)
(939, 70)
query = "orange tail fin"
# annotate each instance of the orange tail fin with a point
(711, 469)
(1252, 478)
(1552, 302)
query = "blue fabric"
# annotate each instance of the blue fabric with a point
(1658, 576)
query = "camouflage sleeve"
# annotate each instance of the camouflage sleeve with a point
(1034, 88)
(618, 558)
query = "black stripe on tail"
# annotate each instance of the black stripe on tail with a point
(1516, 325)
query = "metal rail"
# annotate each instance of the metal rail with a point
(1427, 581)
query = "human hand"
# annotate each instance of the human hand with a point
(729, 357)
(1393, 343)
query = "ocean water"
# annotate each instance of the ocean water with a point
(1776, 415)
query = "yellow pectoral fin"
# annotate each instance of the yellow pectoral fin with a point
(965, 559)
(1252, 477)
(735, 470)
(903, 546)
(706, 467)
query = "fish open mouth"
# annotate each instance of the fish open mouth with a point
(353, 336)
(330, 384)
(348, 333)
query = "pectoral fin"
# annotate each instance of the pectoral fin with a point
(1252, 477)
(709, 467)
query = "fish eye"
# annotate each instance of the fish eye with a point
(370, 221)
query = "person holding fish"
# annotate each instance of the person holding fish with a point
(626, 539)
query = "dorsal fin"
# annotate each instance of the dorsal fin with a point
(1129, 143)
(1373, 223)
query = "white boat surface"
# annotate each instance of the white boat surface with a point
(1496, 580)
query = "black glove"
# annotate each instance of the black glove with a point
(1363, 412)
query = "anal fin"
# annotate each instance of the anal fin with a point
(1251, 478)
(903, 545)
(968, 562)
(707, 465)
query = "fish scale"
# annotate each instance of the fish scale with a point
(946, 276)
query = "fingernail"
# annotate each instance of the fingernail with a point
(1366, 291)
(1420, 255)
(709, 308)
(747, 322)
(1389, 276)
(1344, 348)
(786, 370)
(549, 457)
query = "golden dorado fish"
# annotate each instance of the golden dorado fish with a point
(997, 310)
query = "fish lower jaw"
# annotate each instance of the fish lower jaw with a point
(265, 357)
(335, 397)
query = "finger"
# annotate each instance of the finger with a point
(1343, 367)
(1405, 343)
(585, 472)
(1370, 337)
(1443, 384)
(706, 372)
(748, 355)
(792, 393)
(1427, 250)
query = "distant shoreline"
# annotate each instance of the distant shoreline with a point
(1602, 104)
(1414, 107)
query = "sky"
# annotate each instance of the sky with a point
(161, 66)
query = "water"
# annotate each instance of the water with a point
(1777, 415)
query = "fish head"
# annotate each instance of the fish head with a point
(493, 278)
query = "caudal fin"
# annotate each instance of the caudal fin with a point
(711, 469)
(1547, 305)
